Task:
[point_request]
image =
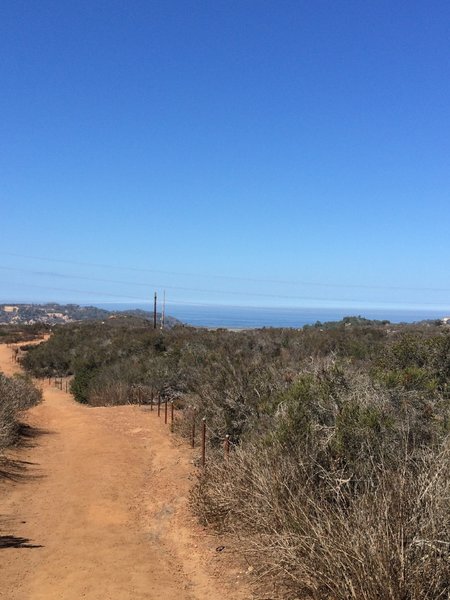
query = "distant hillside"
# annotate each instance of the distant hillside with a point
(354, 321)
(57, 314)
(361, 322)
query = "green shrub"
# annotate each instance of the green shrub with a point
(80, 384)
(16, 395)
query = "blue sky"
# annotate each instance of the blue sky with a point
(261, 153)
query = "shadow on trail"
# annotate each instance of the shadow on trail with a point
(15, 469)
(11, 541)
(28, 435)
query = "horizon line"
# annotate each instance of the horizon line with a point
(360, 307)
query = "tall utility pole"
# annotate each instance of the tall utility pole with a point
(154, 313)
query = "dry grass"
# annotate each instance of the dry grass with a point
(309, 530)
(344, 496)
(16, 395)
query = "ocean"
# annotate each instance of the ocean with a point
(245, 317)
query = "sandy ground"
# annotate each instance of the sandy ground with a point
(98, 510)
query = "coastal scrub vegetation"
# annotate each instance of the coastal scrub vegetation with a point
(14, 333)
(16, 395)
(338, 481)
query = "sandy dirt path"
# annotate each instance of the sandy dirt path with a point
(100, 511)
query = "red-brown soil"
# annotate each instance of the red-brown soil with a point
(98, 510)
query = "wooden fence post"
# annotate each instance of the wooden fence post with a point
(203, 441)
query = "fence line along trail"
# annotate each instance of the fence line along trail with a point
(100, 510)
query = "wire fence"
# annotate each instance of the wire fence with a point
(163, 402)
(145, 395)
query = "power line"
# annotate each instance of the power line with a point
(174, 287)
(145, 300)
(231, 277)
(76, 291)
(196, 290)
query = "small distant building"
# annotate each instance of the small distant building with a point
(10, 309)
(445, 321)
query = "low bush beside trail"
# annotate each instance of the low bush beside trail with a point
(346, 495)
(17, 394)
(337, 485)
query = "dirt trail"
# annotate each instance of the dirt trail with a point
(101, 510)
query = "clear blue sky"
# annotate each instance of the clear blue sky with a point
(244, 152)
